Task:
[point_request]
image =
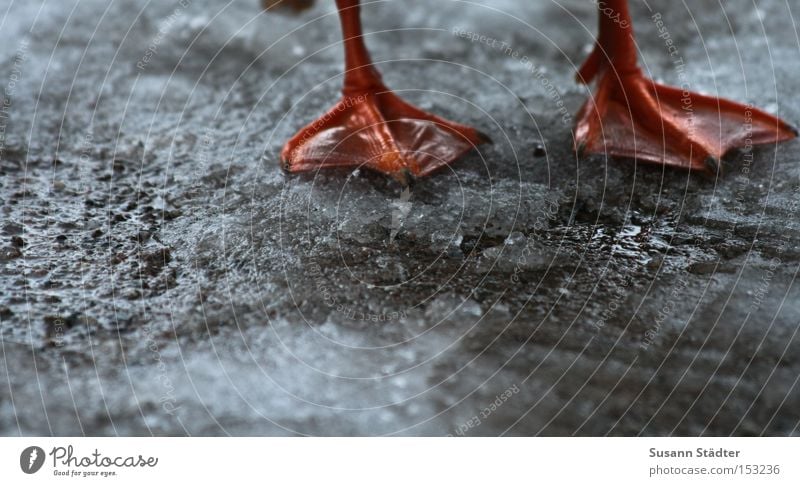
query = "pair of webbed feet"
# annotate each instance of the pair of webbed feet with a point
(628, 116)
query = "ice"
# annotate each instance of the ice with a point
(173, 280)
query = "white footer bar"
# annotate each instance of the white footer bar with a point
(400, 461)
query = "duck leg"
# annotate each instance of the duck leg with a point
(634, 117)
(372, 127)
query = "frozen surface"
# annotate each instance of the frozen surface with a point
(161, 275)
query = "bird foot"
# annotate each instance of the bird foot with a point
(377, 130)
(634, 117)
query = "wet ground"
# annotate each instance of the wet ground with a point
(159, 274)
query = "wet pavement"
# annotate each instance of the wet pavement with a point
(159, 273)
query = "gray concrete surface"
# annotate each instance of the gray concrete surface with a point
(160, 275)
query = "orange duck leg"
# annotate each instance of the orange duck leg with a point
(372, 127)
(634, 117)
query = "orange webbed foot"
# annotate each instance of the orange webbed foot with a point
(634, 117)
(372, 127)
(377, 130)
